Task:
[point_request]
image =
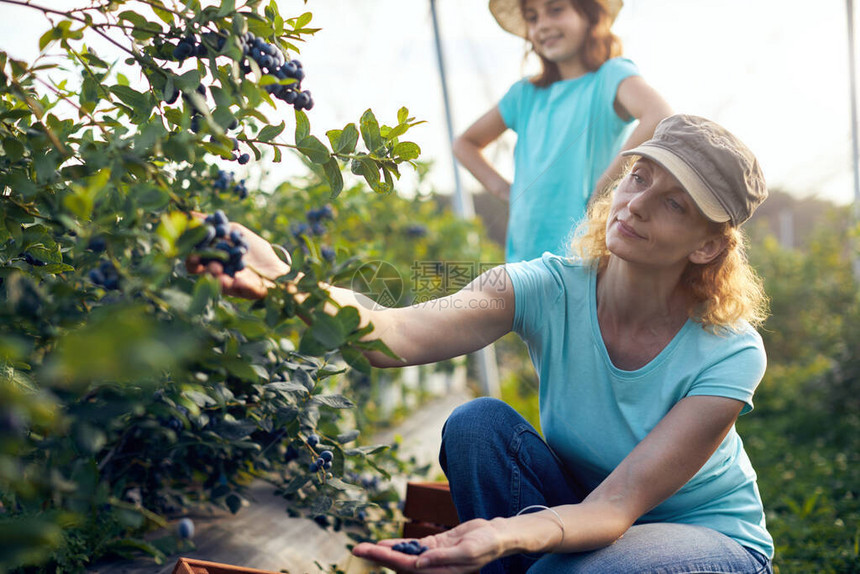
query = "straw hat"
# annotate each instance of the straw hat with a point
(510, 17)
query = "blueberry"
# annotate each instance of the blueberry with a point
(290, 96)
(171, 97)
(313, 467)
(302, 101)
(412, 547)
(313, 440)
(244, 158)
(327, 253)
(182, 50)
(233, 124)
(361, 515)
(185, 528)
(97, 276)
(195, 124)
(326, 456)
(416, 230)
(222, 230)
(219, 217)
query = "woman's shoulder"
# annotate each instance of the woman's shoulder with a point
(561, 269)
(732, 338)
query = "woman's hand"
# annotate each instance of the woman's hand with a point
(463, 549)
(262, 267)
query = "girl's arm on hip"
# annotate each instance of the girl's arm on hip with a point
(468, 149)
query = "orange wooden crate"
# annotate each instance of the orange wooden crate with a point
(429, 509)
(193, 566)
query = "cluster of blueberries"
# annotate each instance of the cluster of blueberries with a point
(367, 482)
(105, 275)
(220, 237)
(410, 547)
(315, 224)
(268, 56)
(323, 462)
(225, 180)
(35, 262)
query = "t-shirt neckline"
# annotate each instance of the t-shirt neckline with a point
(597, 335)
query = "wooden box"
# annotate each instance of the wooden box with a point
(429, 509)
(193, 566)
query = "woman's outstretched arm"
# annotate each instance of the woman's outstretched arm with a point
(426, 332)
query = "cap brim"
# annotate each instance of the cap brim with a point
(689, 179)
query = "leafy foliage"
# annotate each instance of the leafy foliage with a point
(130, 390)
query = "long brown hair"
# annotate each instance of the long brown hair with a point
(600, 43)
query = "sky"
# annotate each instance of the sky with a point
(775, 72)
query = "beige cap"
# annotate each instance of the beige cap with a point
(719, 172)
(510, 17)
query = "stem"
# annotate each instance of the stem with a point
(93, 26)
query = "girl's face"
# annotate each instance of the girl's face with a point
(555, 29)
(654, 222)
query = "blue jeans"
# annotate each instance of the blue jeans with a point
(497, 464)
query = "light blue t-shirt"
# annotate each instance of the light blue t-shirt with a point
(567, 135)
(593, 414)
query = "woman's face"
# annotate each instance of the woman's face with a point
(555, 29)
(654, 222)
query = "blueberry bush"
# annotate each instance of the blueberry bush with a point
(131, 391)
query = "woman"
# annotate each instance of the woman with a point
(571, 120)
(646, 355)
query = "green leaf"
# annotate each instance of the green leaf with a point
(239, 25)
(269, 133)
(343, 141)
(328, 330)
(303, 125)
(407, 150)
(402, 115)
(370, 132)
(304, 20)
(206, 290)
(356, 359)
(335, 178)
(188, 81)
(13, 148)
(227, 6)
(141, 104)
(334, 401)
(314, 149)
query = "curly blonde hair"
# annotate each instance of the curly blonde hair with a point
(723, 292)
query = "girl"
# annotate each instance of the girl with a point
(646, 355)
(571, 119)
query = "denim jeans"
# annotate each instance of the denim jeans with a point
(497, 464)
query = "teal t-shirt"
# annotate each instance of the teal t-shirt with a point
(593, 414)
(567, 135)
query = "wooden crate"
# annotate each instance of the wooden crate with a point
(193, 566)
(429, 509)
